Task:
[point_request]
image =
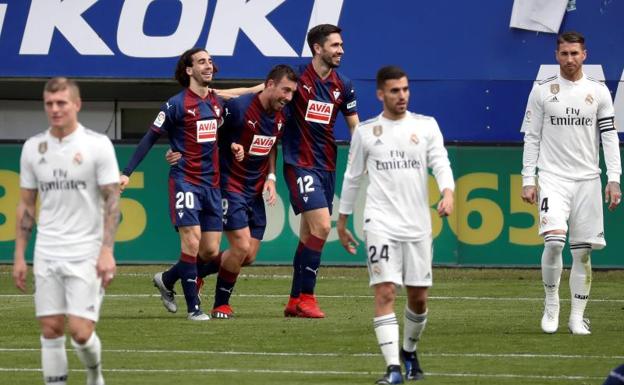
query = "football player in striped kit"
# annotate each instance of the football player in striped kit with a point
(566, 119)
(397, 148)
(190, 119)
(252, 125)
(310, 159)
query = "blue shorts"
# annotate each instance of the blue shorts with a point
(192, 205)
(310, 188)
(240, 211)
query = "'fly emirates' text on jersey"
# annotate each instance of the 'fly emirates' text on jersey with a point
(397, 155)
(563, 125)
(309, 141)
(67, 174)
(191, 123)
(247, 124)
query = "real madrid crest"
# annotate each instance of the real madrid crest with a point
(43, 147)
(554, 89)
(589, 99)
(377, 130)
(414, 139)
(78, 159)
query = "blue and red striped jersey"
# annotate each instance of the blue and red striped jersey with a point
(248, 124)
(309, 140)
(191, 123)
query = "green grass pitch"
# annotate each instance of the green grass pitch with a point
(483, 329)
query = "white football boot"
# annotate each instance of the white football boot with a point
(550, 319)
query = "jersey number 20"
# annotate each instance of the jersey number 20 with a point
(185, 199)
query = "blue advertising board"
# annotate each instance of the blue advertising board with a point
(468, 68)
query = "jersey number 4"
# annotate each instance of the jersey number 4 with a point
(544, 205)
(383, 253)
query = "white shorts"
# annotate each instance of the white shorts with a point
(401, 262)
(575, 205)
(67, 287)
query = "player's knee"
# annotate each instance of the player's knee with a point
(190, 245)
(50, 330)
(81, 337)
(249, 259)
(384, 295)
(240, 250)
(81, 332)
(209, 253)
(553, 248)
(321, 230)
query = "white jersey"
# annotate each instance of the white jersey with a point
(563, 126)
(67, 174)
(397, 155)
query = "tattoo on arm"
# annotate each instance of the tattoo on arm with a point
(110, 193)
(26, 215)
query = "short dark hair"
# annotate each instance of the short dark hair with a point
(319, 34)
(186, 60)
(388, 73)
(60, 84)
(571, 37)
(280, 71)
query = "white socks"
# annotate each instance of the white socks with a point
(414, 324)
(90, 355)
(580, 279)
(54, 360)
(387, 332)
(552, 265)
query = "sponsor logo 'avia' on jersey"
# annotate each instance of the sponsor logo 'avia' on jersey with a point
(319, 112)
(206, 130)
(261, 145)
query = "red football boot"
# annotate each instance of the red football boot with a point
(308, 307)
(291, 307)
(223, 312)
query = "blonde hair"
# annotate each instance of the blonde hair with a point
(60, 84)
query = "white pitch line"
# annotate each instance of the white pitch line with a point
(321, 354)
(316, 372)
(442, 298)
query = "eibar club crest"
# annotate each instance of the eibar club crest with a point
(43, 147)
(554, 89)
(336, 94)
(589, 99)
(377, 130)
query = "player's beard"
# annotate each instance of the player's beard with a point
(327, 59)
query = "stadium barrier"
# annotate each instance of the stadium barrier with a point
(491, 226)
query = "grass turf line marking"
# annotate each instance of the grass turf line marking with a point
(304, 354)
(315, 372)
(442, 298)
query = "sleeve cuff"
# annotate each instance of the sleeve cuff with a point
(613, 177)
(528, 181)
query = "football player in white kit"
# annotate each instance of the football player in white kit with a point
(566, 119)
(75, 173)
(397, 148)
